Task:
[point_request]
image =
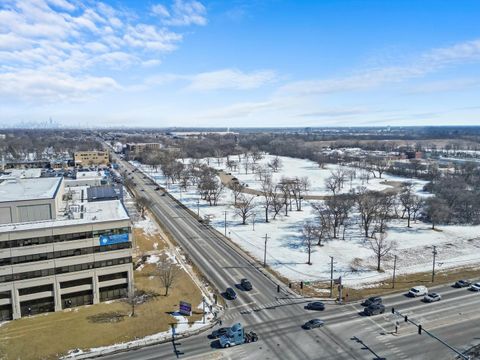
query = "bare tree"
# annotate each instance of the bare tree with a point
(237, 190)
(367, 205)
(325, 222)
(275, 164)
(168, 273)
(142, 204)
(245, 207)
(309, 235)
(437, 210)
(381, 247)
(278, 201)
(268, 191)
(406, 198)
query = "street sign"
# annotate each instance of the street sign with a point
(185, 308)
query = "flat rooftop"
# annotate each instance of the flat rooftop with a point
(23, 173)
(76, 211)
(15, 189)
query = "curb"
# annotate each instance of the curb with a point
(97, 354)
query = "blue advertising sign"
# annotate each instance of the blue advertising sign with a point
(113, 239)
(185, 308)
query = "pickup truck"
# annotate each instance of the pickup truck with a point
(236, 336)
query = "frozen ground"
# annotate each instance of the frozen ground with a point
(353, 258)
(292, 167)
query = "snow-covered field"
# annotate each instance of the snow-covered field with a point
(353, 258)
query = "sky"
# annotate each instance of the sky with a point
(239, 63)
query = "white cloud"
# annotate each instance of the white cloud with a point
(70, 40)
(182, 13)
(429, 62)
(230, 79)
(160, 10)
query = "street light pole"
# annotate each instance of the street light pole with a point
(331, 276)
(253, 224)
(225, 224)
(394, 270)
(198, 208)
(265, 252)
(433, 267)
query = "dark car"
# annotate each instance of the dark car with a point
(316, 305)
(462, 283)
(230, 294)
(246, 285)
(219, 332)
(374, 309)
(371, 301)
(157, 188)
(314, 323)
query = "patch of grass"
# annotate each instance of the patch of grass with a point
(405, 282)
(51, 335)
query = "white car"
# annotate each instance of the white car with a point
(418, 291)
(475, 287)
(432, 297)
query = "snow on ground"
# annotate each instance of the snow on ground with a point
(353, 258)
(182, 326)
(292, 167)
(147, 225)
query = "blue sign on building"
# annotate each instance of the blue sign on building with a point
(113, 239)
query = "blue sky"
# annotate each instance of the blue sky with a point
(240, 63)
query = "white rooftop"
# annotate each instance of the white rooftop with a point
(15, 189)
(23, 173)
(76, 212)
(89, 175)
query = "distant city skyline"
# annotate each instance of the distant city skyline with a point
(272, 63)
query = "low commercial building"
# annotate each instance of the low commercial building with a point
(138, 148)
(91, 158)
(58, 249)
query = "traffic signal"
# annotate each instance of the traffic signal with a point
(406, 318)
(393, 311)
(215, 298)
(278, 288)
(301, 284)
(289, 285)
(419, 329)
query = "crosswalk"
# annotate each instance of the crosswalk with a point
(252, 307)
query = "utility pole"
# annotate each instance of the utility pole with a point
(198, 208)
(394, 270)
(203, 302)
(265, 252)
(331, 276)
(253, 224)
(225, 223)
(340, 288)
(433, 268)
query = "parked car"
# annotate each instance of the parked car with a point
(219, 332)
(374, 309)
(462, 283)
(418, 291)
(475, 287)
(372, 300)
(314, 323)
(432, 297)
(231, 294)
(246, 285)
(316, 305)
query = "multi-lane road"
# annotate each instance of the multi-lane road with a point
(277, 317)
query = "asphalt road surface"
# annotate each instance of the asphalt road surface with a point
(277, 317)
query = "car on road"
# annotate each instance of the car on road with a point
(372, 300)
(462, 283)
(246, 285)
(418, 291)
(432, 297)
(230, 294)
(374, 309)
(316, 305)
(312, 324)
(157, 188)
(219, 332)
(475, 287)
